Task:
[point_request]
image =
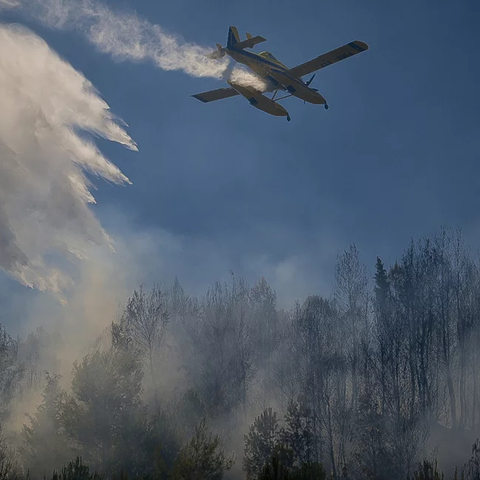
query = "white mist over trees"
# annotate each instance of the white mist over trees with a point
(349, 386)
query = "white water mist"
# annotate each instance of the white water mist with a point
(127, 36)
(44, 193)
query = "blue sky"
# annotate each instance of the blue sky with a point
(395, 156)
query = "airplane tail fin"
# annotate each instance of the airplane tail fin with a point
(234, 40)
(233, 37)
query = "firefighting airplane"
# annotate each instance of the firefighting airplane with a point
(275, 74)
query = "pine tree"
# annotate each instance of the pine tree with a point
(427, 471)
(105, 413)
(471, 470)
(202, 458)
(45, 444)
(298, 432)
(382, 283)
(260, 443)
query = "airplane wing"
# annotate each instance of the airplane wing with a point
(213, 95)
(329, 58)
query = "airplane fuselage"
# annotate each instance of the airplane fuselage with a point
(275, 75)
(260, 65)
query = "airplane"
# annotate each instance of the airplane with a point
(276, 76)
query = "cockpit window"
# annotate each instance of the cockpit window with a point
(269, 56)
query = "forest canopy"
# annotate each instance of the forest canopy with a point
(228, 385)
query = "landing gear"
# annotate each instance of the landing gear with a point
(326, 106)
(288, 118)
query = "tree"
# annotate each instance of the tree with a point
(39, 352)
(309, 471)
(10, 371)
(9, 469)
(220, 366)
(351, 298)
(202, 458)
(45, 444)
(76, 470)
(374, 456)
(297, 434)
(319, 356)
(388, 343)
(276, 470)
(161, 445)
(427, 471)
(104, 414)
(471, 470)
(145, 321)
(260, 442)
(264, 330)
(189, 409)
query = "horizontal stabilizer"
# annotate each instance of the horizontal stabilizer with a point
(329, 58)
(250, 42)
(214, 95)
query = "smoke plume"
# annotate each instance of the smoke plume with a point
(44, 192)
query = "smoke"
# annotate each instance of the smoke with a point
(45, 218)
(126, 36)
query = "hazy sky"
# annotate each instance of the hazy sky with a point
(224, 186)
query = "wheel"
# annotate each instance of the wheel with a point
(326, 106)
(288, 118)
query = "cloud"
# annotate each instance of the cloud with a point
(126, 36)
(47, 106)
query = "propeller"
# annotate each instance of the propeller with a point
(219, 53)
